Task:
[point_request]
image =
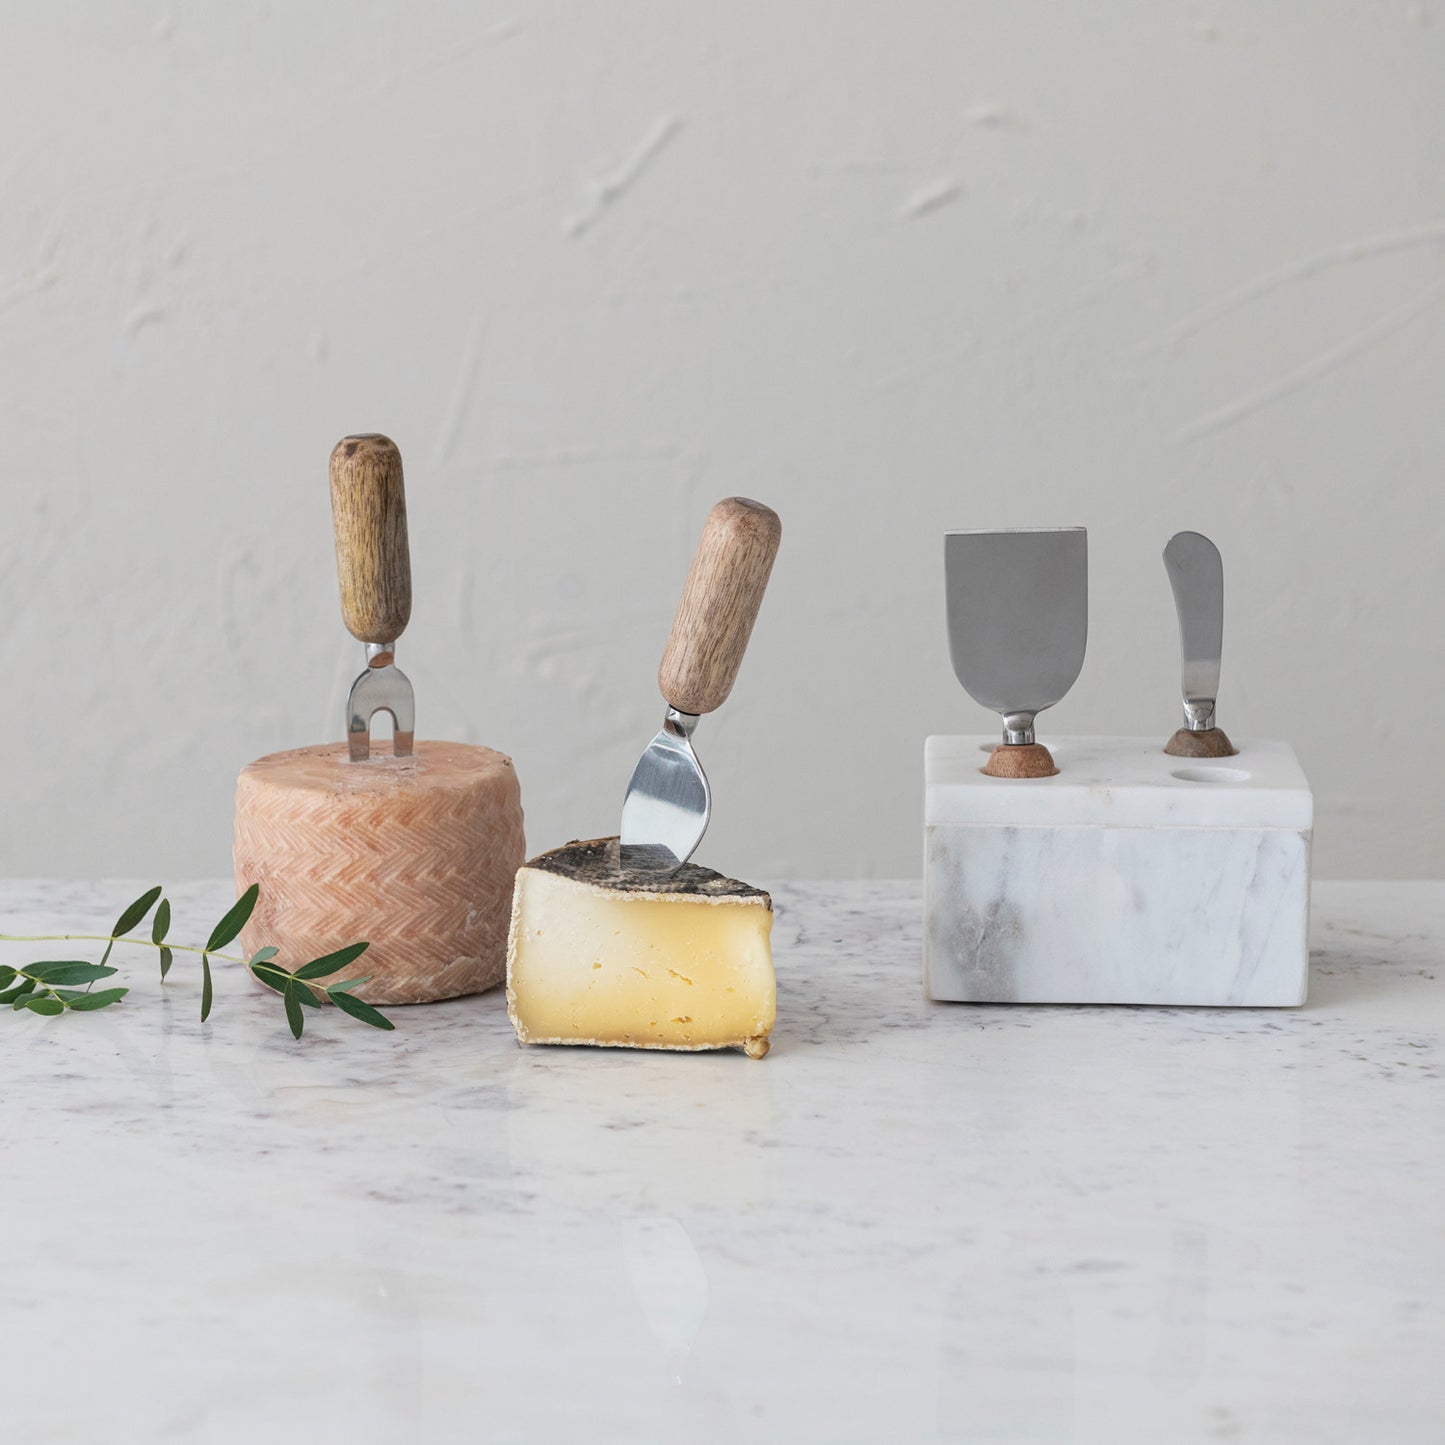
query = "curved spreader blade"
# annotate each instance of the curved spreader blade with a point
(1196, 575)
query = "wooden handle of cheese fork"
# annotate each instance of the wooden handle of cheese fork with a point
(720, 602)
(373, 562)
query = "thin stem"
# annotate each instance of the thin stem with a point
(109, 938)
(312, 986)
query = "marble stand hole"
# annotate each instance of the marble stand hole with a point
(1211, 775)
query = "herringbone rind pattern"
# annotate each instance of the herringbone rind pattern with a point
(415, 855)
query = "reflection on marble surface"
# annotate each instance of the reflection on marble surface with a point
(912, 1221)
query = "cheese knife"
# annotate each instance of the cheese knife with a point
(373, 566)
(668, 802)
(1018, 622)
(1196, 575)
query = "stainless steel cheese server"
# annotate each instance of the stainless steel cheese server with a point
(668, 801)
(1196, 575)
(373, 566)
(1018, 622)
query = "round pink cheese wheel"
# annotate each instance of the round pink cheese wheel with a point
(414, 855)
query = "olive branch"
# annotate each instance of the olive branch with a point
(51, 988)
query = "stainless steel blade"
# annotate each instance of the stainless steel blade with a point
(1197, 576)
(383, 687)
(1018, 618)
(668, 801)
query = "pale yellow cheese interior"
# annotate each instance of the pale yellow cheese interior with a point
(586, 965)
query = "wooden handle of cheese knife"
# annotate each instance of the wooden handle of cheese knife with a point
(373, 561)
(720, 602)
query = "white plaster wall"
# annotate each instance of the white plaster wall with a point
(892, 267)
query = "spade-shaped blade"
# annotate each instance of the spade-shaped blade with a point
(1018, 614)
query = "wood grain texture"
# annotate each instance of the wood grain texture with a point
(416, 855)
(1208, 743)
(373, 560)
(719, 605)
(1020, 760)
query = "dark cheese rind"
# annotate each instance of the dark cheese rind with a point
(595, 862)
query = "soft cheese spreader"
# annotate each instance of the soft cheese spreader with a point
(1196, 575)
(411, 847)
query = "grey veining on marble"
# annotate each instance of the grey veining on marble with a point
(1129, 877)
(912, 1222)
(1215, 916)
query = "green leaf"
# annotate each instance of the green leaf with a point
(332, 962)
(49, 1006)
(264, 955)
(206, 992)
(362, 1011)
(348, 984)
(235, 920)
(303, 992)
(161, 923)
(136, 911)
(272, 976)
(69, 971)
(16, 996)
(101, 998)
(167, 959)
(7, 974)
(294, 1016)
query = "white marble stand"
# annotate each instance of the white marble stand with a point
(1131, 877)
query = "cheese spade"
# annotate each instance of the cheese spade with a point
(668, 802)
(1018, 620)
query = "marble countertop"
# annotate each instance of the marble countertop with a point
(911, 1222)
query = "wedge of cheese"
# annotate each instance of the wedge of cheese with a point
(596, 955)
